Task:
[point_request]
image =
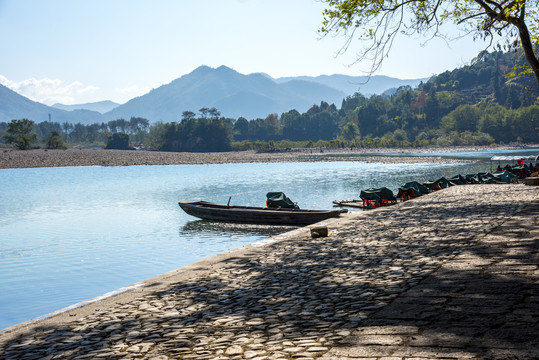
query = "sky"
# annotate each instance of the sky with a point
(79, 51)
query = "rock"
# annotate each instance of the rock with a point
(319, 231)
(234, 350)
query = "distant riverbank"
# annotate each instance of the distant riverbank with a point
(100, 157)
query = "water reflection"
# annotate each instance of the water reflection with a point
(216, 228)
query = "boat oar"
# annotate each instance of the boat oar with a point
(228, 203)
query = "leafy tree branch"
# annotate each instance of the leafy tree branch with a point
(378, 23)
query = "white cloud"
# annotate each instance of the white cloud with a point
(5, 81)
(48, 91)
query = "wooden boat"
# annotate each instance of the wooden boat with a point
(364, 204)
(256, 215)
(356, 203)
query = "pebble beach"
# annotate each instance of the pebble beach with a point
(10, 158)
(101, 157)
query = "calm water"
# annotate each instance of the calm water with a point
(74, 233)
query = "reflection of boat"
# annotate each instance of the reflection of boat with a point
(349, 203)
(256, 215)
(198, 226)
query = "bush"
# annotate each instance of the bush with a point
(119, 141)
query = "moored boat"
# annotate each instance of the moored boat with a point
(256, 215)
(355, 203)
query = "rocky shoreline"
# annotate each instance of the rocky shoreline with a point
(100, 157)
(452, 274)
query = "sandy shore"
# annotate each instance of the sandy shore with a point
(100, 157)
(452, 274)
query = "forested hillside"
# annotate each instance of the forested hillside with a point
(472, 105)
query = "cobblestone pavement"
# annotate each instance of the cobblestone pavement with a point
(483, 304)
(450, 275)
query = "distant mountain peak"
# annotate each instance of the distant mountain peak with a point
(202, 69)
(209, 69)
(225, 68)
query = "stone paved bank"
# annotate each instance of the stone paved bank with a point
(450, 275)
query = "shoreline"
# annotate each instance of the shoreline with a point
(291, 295)
(10, 159)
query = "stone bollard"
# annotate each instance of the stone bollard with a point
(319, 231)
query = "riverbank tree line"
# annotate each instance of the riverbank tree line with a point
(473, 105)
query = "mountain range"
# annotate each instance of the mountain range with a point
(233, 94)
(365, 85)
(15, 106)
(100, 106)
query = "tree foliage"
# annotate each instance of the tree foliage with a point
(19, 133)
(118, 141)
(55, 141)
(208, 133)
(378, 23)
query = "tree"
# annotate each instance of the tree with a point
(119, 141)
(204, 112)
(188, 115)
(369, 113)
(271, 125)
(322, 126)
(497, 81)
(463, 118)
(79, 133)
(350, 131)
(19, 134)
(55, 141)
(526, 124)
(214, 113)
(380, 22)
(419, 104)
(118, 125)
(432, 107)
(512, 101)
(138, 124)
(241, 128)
(400, 137)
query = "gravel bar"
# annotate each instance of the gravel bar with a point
(101, 157)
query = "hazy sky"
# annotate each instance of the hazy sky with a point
(76, 51)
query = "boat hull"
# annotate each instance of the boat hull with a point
(256, 215)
